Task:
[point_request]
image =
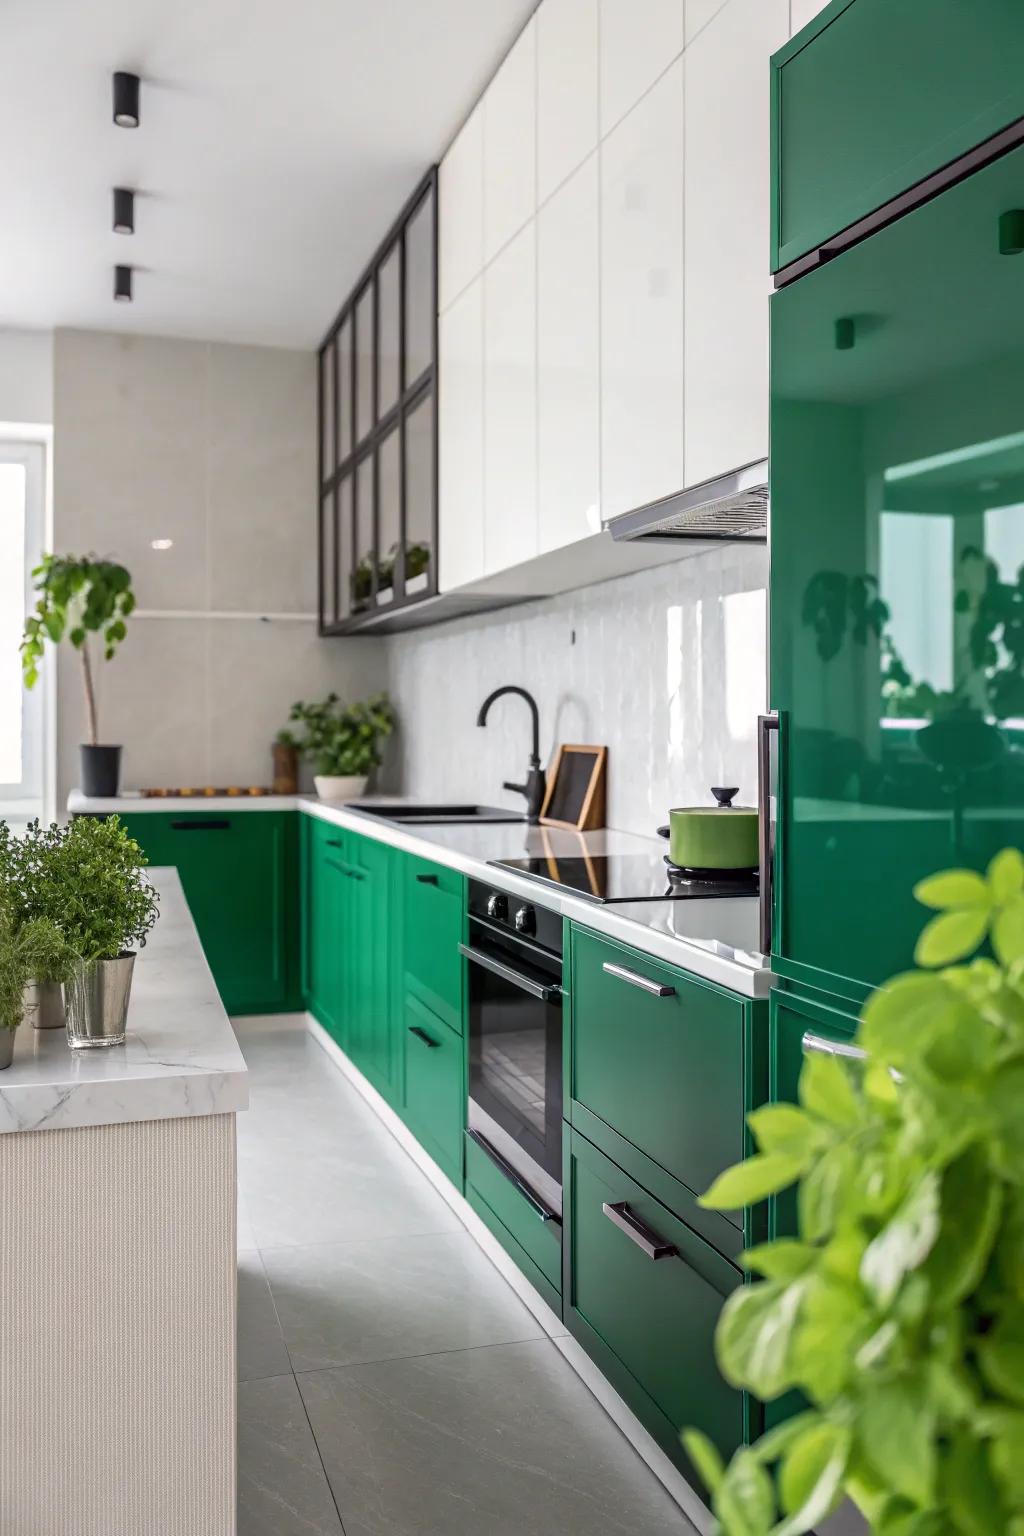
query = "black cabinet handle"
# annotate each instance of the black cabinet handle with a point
(355, 874)
(638, 1232)
(333, 842)
(543, 992)
(537, 1205)
(428, 880)
(421, 1034)
(200, 826)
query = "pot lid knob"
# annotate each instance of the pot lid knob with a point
(724, 796)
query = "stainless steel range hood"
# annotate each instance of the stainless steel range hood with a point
(732, 506)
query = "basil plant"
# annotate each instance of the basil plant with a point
(897, 1312)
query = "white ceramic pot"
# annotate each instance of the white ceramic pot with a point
(345, 786)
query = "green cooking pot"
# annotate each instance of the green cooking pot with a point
(713, 837)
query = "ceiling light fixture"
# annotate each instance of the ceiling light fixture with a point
(124, 211)
(126, 99)
(123, 285)
(161, 543)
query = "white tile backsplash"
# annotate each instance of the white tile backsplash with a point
(667, 668)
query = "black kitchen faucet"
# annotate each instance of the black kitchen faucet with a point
(535, 784)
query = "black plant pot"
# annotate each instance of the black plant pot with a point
(101, 769)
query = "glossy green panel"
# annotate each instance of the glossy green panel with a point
(666, 1073)
(897, 488)
(878, 94)
(326, 916)
(372, 953)
(540, 1240)
(655, 1317)
(435, 1086)
(240, 874)
(433, 905)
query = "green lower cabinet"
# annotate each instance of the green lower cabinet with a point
(327, 888)
(240, 874)
(432, 905)
(530, 1237)
(643, 1293)
(369, 942)
(435, 1085)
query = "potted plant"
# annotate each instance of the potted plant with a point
(32, 948)
(23, 863)
(80, 597)
(285, 754)
(343, 742)
(898, 1309)
(95, 878)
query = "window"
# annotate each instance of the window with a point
(22, 479)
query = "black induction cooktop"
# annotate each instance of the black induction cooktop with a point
(618, 877)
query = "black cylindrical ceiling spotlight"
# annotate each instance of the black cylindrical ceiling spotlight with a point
(126, 100)
(124, 211)
(123, 285)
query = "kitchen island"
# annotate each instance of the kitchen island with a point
(117, 1261)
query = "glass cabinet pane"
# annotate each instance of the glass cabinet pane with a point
(327, 440)
(419, 291)
(344, 344)
(365, 542)
(364, 362)
(389, 515)
(419, 494)
(328, 564)
(344, 541)
(388, 301)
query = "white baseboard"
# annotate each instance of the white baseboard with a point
(623, 1416)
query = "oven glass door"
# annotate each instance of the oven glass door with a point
(515, 1058)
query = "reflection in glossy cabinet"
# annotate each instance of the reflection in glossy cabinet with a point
(642, 301)
(510, 404)
(897, 541)
(568, 355)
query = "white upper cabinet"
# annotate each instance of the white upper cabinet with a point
(461, 210)
(726, 241)
(568, 379)
(510, 144)
(803, 11)
(639, 40)
(461, 439)
(699, 13)
(566, 89)
(510, 404)
(642, 301)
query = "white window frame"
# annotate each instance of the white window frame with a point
(30, 795)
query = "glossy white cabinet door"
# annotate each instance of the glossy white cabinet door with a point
(510, 404)
(639, 39)
(461, 210)
(803, 11)
(566, 89)
(642, 301)
(461, 439)
(568, 356)
(726, 242)
(510, 143)
(699, 13)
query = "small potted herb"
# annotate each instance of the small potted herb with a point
(96, 875)
(27, 949)
(81, 597)
(343, 742)
(23, 865)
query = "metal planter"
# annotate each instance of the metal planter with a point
(96, 1001)
(43, 1005)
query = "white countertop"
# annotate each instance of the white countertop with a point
(180, 1057)
(713, 939)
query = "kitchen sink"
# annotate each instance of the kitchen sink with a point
(413, 814)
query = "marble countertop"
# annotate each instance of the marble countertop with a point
(180, 1057)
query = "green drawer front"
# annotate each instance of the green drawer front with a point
(878, 94)
(540, 1239)
(325, 834)
(433, 902)
(239, 872)
(656, 1318)
(667, 1073)
(435, 1093)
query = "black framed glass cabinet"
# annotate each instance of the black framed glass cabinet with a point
(377, 412)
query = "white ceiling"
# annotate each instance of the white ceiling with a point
(279, 139)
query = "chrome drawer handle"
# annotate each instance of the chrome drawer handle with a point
(638, 1232)
(644, 983)
(822, 1046)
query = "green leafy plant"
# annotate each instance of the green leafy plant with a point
(77, 597)
(344, 739)
(92, 882)
(27, 950)
(24, 862)
(898, 1309)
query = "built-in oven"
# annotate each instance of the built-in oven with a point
(514, 952)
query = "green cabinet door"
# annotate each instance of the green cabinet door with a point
(874, 96)
(240, 874)
(433, 900)
(644, 1293)
(326, 915)
(371, 952)
(897, 488)
(435, 1085)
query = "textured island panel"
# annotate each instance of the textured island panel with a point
(117, 1347)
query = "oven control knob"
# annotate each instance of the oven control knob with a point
(525, 920)
(497, 906)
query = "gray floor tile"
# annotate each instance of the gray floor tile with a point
(346, 1303)
(503, 1440)
(261, 1346)
(282, 1490)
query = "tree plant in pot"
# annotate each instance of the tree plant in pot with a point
(79, 598)
(96, 880)
(897, 1311)
(343, 742)
(32, 948)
